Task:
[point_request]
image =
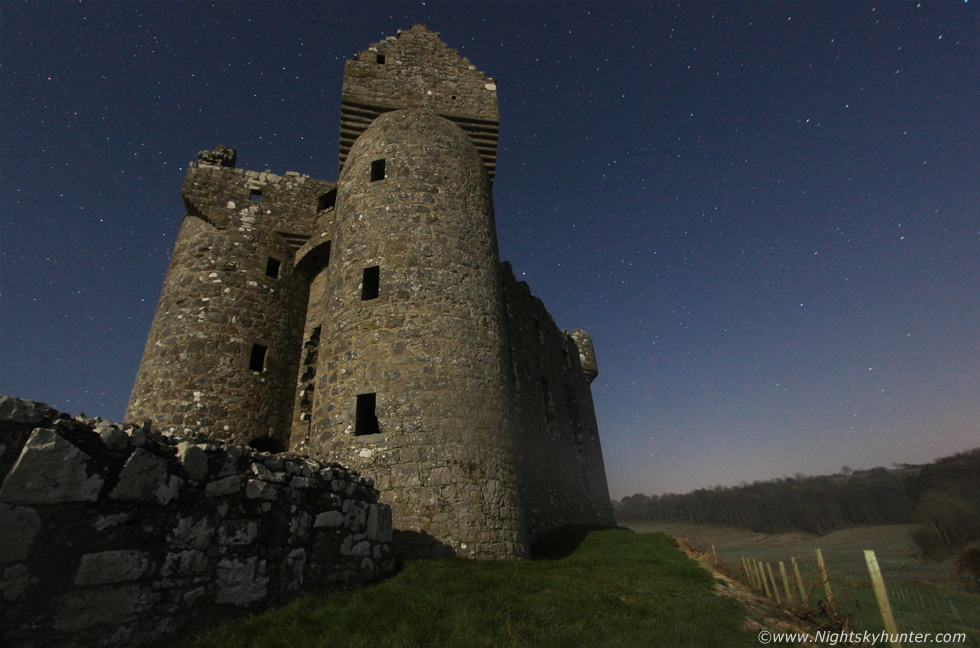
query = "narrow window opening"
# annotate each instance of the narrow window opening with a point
(255, 195)
(311, 351)
(549, 405)
(267, 444)
(327, 200)
(256, 361)
(366, 420)
(272, 268)
(306, 403)
(575, 417)
(515, 379)
(378, 170)
(371, 283)
(380, 58)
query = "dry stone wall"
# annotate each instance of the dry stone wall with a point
(113, 536)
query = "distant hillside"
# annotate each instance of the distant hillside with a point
(944, 496)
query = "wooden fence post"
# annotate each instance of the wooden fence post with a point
(775, 586)
(782, 574)
(762, 576)
(749, 572)
(799, 582)
(882, 596)
(825, 578)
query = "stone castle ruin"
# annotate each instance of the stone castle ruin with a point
(337, 373)
(369, 322)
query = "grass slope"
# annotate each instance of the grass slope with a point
(922, 594)
(601, 588)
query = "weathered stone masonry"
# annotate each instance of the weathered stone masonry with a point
(563, 477)
(231, 288)
(369, 322)
(114, 536)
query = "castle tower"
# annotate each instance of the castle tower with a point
(417, 70)
(371, 323)
(412, 375)
(221, 358)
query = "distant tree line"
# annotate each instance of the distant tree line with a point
(943, 496)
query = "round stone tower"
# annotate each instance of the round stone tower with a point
(369, 321)
(412, 383)
(221, 358)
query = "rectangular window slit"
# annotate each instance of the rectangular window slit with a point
(378, 170)
(272, 268)
(366, 417)
(370, 283)
(255, 195)
(380, 58)
(327, 200)
(549, 404)
(256, 361)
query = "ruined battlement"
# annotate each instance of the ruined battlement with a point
(228, 197)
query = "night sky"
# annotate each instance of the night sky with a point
(767, 215)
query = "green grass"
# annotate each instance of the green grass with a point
(916, 607)
(921, 593)
(614, 588)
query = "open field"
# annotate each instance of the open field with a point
(897, 554)
(604, 588)
(923, 594)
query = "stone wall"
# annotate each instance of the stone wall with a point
(426, 349)
(223, 354)
(563, 478)
(364, 322)
(112, 535)
(416, 70)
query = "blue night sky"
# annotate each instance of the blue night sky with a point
(767, 215)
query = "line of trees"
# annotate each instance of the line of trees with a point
(944, 496)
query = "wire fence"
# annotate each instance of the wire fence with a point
(949, 617)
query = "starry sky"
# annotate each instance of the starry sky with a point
(766, 214)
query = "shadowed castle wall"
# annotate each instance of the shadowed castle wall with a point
(563, 479)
